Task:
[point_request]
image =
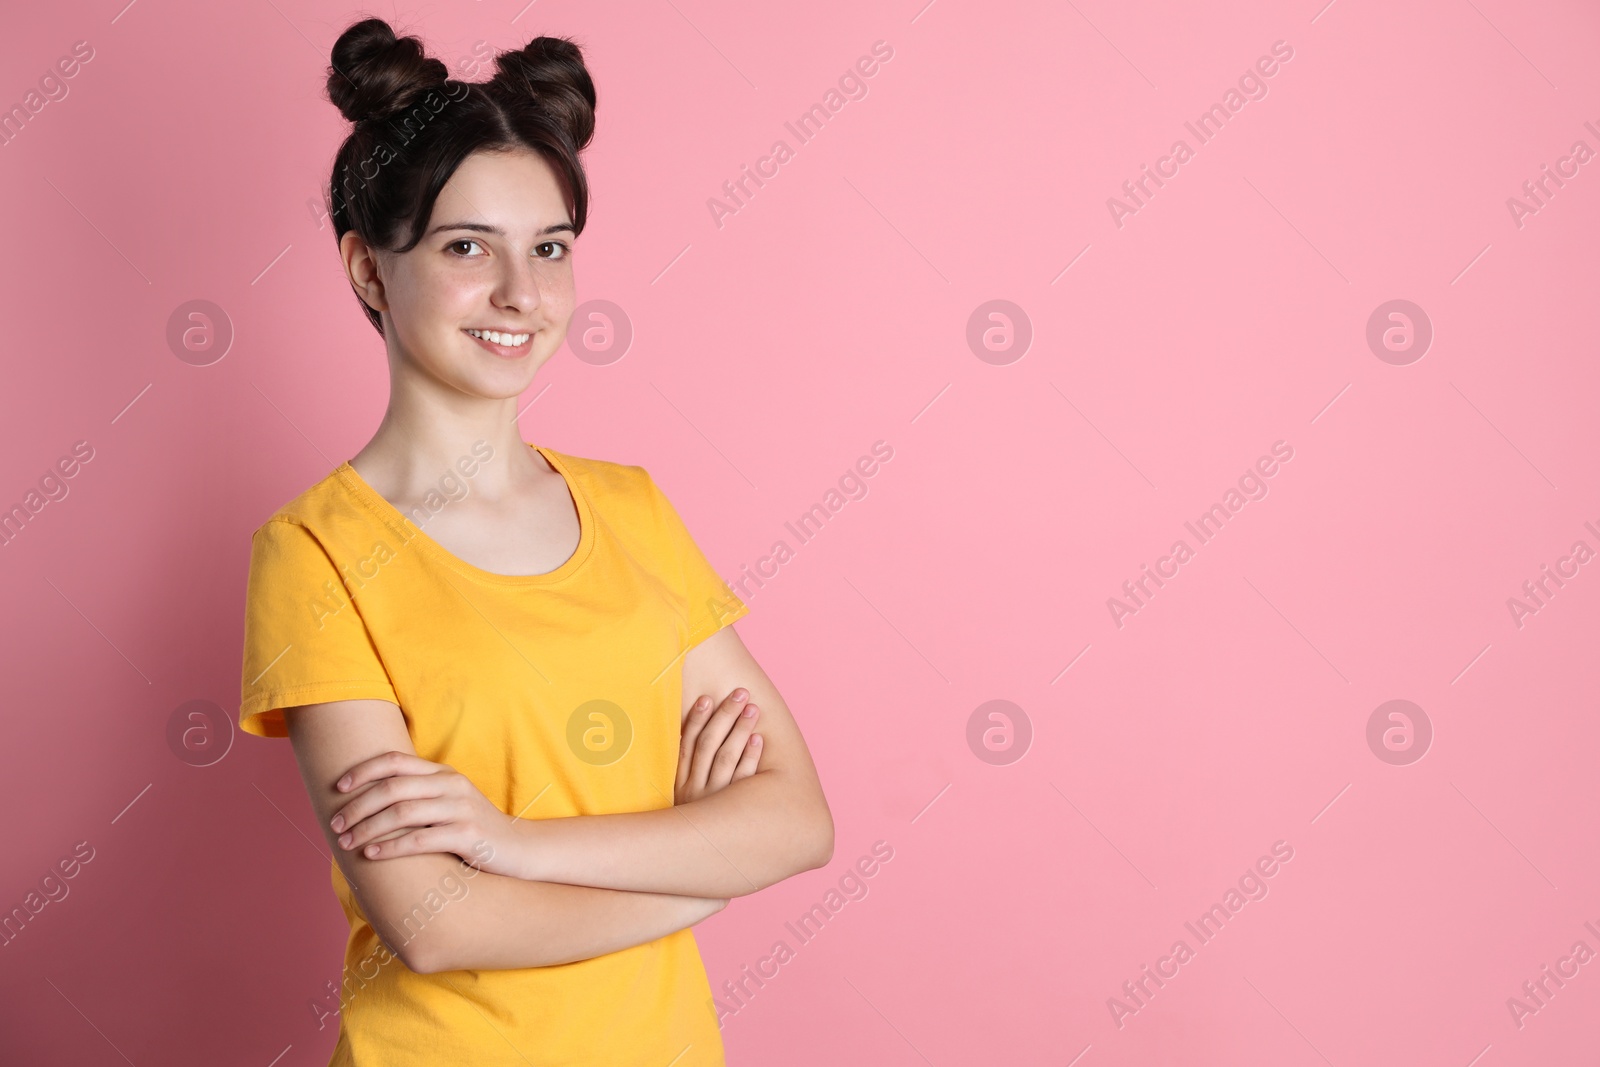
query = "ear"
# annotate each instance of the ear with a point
(361, 266)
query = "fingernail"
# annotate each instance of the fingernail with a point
(344, 783)
(338, 823)
(372, 851)
(741, 694)
(703, 703)
(749, 711)
(344, 840)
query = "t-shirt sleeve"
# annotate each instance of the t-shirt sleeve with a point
(709, 603)
(305, 641)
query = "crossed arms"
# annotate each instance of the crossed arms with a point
(560, 890)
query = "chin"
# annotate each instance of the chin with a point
(503, 387)
(511, 384)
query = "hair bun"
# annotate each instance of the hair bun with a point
(376, 74)
(552, 71)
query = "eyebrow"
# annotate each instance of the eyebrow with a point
(481, 227)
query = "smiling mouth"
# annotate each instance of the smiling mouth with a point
(505, 345)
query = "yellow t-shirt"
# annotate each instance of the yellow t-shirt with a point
(557, 694)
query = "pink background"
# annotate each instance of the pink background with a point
(830, 312)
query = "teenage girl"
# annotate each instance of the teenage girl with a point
(528, 731)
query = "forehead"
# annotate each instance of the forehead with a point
(516, 192)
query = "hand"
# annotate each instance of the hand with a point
(441, 807)
(718, 747)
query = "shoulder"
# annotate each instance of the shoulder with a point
(330, 511)
(610, 484)
(627, 498)
(314, 500)
(605, 474)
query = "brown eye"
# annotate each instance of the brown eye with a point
(563, 250)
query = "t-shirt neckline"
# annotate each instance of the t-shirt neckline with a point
(403, 525)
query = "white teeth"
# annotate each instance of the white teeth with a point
(510, 340)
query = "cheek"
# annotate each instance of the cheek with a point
(437, 307)
(558, 295)
(558, 290)
(428, 314)
(450, 299)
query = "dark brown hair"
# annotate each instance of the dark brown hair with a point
(414, 125)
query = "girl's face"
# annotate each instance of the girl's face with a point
(496, 256)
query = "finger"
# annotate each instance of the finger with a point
(750, 760)
(384, 766)
(712, 735)
(407, 813)
(415, 843)
(692, 724)
(396, 820)
(726, 761)
(385, 792)
(713, 729)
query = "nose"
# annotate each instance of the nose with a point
(517, 288)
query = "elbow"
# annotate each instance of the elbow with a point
(416, 956)
(821, 852)
(809, 846)
(414, 922)
(433, 959)
(419, 951)
(418, 963)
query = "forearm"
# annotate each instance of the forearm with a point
(494, 922)
(750, 835)
(436, 913)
